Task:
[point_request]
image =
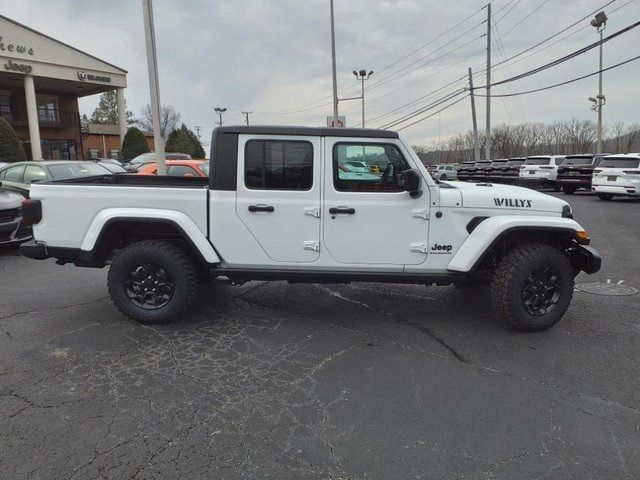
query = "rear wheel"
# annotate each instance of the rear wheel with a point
(532, 287)
(443, 176)
(152, 281)
(605, 196)
(569, 190)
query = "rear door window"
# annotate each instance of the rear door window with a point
(278, 165)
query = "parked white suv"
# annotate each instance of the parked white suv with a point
(277, 206)
(445, 172)
(540, 171)
(617, 175)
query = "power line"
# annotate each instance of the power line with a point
(434, 113)
(565, 82)
(566, 57)
(424, 109)
(525, 17)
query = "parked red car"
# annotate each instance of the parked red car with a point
(179, 168)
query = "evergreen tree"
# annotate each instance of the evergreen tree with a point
(134, 144)
(183, 140)
(10, 145)
(107, 110)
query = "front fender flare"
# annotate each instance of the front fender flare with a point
(184, 223)
(482, 239)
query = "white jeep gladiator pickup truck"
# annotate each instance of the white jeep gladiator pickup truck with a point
(282, 204)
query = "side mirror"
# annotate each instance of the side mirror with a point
(409, 181)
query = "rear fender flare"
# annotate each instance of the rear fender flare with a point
(185, 224)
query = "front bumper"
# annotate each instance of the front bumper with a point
(14, 232)
(586, 259)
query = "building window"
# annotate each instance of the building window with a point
(5, 107)
(53, 149)
(48, 109)
(115, 154)
(94, 153)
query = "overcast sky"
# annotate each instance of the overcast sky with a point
(272, 56)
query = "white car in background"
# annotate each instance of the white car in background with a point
(617, 175)
(445, 172)
(540, 171)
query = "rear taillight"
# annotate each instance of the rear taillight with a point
(631, 172)
(31, 211)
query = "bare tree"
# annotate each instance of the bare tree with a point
(632, 138)
(169, 119)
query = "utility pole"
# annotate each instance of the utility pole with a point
(476, 142)
(600, 22)
(487, 145)
(197, 127)
(220, 111)
(154, 84)
(333, 66)
(246, 116)
(363, 75)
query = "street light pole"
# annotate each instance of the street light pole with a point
(154, 84)
(362, 75)
(333, 66)
(220, 111)
(487, 143)
(600, 22)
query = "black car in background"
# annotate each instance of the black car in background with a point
(510, 172)
(464, 171)
(493, 173)
(577, 171)
(479, 171)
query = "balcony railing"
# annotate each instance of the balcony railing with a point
(48, 115)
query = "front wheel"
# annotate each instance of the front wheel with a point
(605, 196)
(569, 190)
(532, 287)
(152, 281)
(443, 176)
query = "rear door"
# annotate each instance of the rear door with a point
(368, 219)
(278, 194)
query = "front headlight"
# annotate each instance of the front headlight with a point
(566, 211)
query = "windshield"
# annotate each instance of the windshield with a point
(578, 161)
(74, 170)
(620, 163)
(112, 167)
(537, 161)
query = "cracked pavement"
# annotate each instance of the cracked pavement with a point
(271, 380)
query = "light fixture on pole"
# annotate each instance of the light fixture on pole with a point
(600, 23)
(246, 116)
(362, 75)
(220, 111)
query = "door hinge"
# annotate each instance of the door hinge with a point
(311, 245)
(420, 247)
(312, 211)
(420, 213)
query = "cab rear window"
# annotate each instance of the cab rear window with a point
(620, 163)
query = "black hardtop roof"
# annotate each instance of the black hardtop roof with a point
(307, 131)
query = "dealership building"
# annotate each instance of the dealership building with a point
(41, 79)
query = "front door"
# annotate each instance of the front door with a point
(278, 195)
(367, 218)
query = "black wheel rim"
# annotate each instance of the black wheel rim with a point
(541, 291)
(149, 286)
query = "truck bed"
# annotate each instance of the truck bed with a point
(72, 208)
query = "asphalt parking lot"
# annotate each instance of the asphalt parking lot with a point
(271, 380)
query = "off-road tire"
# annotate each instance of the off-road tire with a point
(510, 278)
(569, 190)
(605, 196)
(173, 260)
